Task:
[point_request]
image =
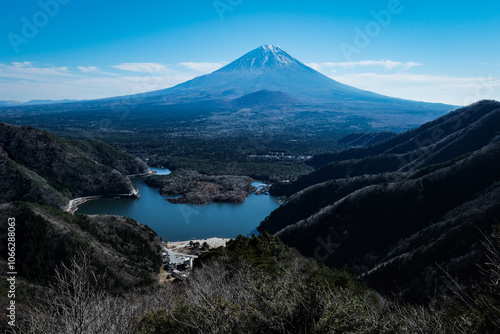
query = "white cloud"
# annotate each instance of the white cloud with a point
(141, 67)
(392, 78)
(386, 64)
(86, 87)
(429, 88)
(318, 66)
(28, 71)
(87, 69)
(23, 81)
(202, 67)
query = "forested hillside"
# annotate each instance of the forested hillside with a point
(40, 174)
(39, 167)
(127, 252)
(460, 132)
(405, 214)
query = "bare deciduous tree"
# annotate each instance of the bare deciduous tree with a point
(78, 304)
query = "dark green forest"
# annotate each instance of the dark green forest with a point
(408, 214)
(37, 166)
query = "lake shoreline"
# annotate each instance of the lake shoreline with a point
(73, 204)
(212, 242)
(185, 222)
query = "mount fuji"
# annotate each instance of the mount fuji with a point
(269, 68)
(264, 80)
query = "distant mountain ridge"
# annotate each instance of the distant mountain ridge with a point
(33, 102)
(392, 212)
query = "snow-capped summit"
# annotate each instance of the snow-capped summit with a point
(266, 56)
(271, 48)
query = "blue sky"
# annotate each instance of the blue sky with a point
(446, 51)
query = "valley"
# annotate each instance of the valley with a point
(180, 222)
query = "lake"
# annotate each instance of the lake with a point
(175, 222)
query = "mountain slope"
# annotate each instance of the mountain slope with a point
(457, 133)
(264, 99)
(127, 252)
(39, 167)
(422, 137)
(398, 226)
(365, 139)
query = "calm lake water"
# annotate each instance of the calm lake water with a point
(176, 222)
